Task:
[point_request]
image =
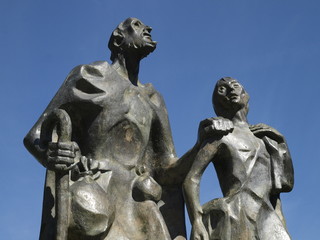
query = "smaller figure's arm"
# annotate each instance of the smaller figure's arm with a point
(191, 189)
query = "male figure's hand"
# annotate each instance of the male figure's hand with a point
(142, 169)
(61, 156)
(261, 130)
(210, 127)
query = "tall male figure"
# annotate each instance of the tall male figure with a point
(120, 149)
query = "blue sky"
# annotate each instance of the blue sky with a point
(271, 46)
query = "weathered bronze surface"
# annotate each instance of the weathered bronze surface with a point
(253, 165)
(106, 142)
(112, 170)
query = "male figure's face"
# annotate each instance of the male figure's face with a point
(137, 36)
(230, 95)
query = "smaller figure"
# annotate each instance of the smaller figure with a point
(253, 165)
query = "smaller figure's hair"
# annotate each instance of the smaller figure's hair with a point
(220, 110)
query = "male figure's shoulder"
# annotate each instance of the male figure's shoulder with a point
(94, 78)
(155, 96)
(149, 89)
(95, 69)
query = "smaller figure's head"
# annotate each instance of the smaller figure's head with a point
(229, 97)
(133, 37)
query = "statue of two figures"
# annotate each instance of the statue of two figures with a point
(112, 170)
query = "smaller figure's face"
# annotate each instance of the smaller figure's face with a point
(230, 91)
(138, 35)
(230, 96)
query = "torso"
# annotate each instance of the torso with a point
(243, 162)
(120, 131)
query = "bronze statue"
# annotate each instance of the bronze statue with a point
(106, 142)
(112, 170)
(253, 165)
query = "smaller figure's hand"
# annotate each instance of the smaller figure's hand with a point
(61, 155)
(214, 126)
(199, 231)
(261, 130)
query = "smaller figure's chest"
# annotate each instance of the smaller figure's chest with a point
(242, 143)
(243, 161)
(244, 149)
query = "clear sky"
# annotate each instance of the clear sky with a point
(271, 46)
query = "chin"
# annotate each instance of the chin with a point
(150, 44)
(141, 48)
(147, 48)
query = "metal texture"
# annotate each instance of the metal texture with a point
(253, 165)
(125, 181)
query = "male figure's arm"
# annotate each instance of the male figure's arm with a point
(160, 140)
(32, 141)
(68, 97)
(210, 128)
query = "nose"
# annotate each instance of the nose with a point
(232, 88)
(149, 29)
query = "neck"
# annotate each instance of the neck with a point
(240, 118)
(128, 67)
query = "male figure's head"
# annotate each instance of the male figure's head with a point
(131, 37)
(229, 97)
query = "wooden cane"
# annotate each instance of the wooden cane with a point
(60, 120)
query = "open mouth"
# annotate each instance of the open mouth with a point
(233, 97)
(147, 35)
